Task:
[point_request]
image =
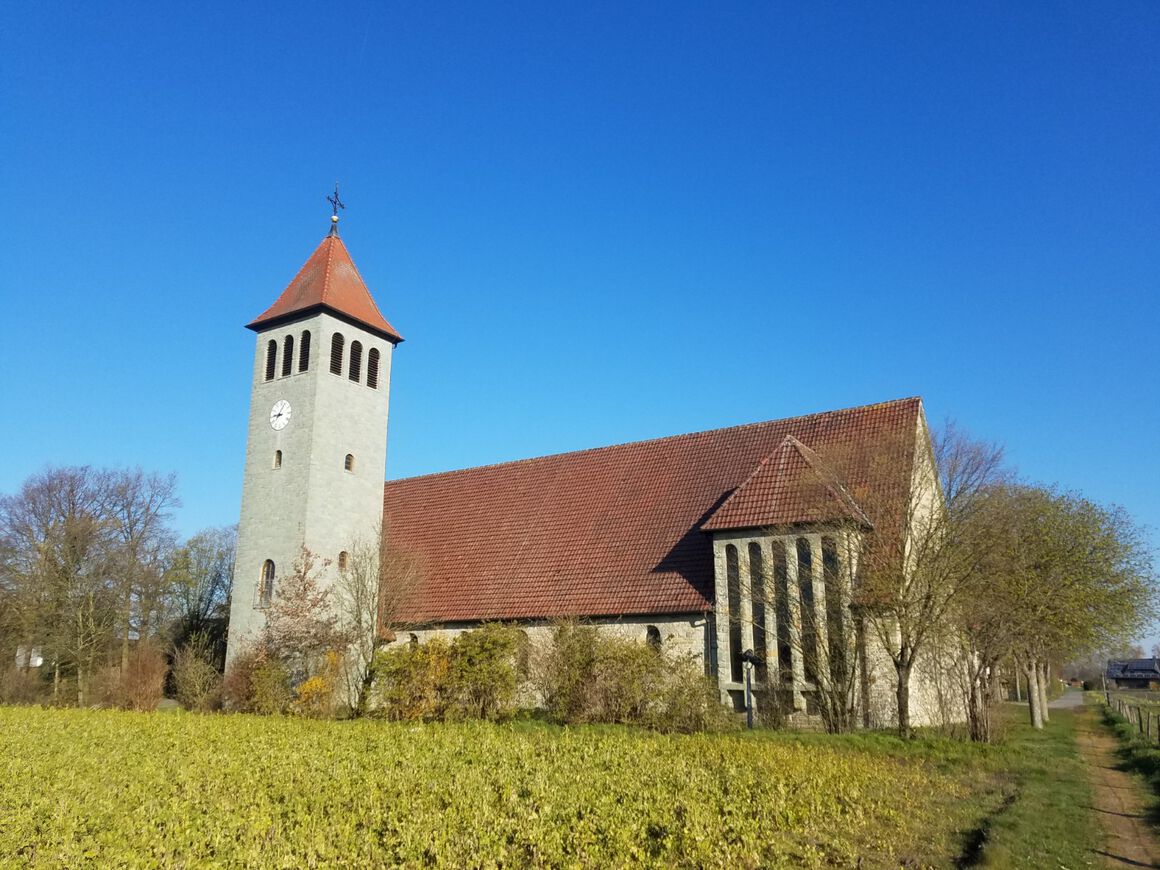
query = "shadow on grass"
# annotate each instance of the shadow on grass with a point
(1041, 818)
(975, 841)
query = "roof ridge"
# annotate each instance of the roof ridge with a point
(329, 242)
(354, 266)
(547, 456)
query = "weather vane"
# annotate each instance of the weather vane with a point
(335, 204)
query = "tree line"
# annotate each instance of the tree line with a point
(96, 588)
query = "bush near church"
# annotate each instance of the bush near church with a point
(581, 675)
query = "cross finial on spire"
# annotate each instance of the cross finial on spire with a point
(335, 204)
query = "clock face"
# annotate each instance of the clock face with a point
(280, 415)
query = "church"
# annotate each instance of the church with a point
(738, 546)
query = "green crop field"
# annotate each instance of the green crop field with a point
(104, 788)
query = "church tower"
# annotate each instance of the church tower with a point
(317, 443)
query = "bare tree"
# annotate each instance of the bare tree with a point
(923, 550)
(371, 592)
(302, 624)
(57, 557)
(138, 508)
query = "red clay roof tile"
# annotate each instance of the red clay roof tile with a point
(791, 487)
(330, 280)
(612, 530)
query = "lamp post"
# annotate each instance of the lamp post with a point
(749, 658)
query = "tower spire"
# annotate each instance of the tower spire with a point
(335, 204)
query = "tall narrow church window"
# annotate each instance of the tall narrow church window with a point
(355, 361)
(757, 590)
(304, 351)
(810, 651)
(343, 560)
(831, 575)
(733, 582)
(348, 463)
(288, 356)
(785, 650)
(271, 359)
(652, 636)
(373, 368)
(336, 345)
(266, 585)
(277, 459)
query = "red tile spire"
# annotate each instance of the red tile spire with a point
(328, 281)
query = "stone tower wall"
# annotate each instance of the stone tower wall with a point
(311, 500)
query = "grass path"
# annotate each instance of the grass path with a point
(1119, 799)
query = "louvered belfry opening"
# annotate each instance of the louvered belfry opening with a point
(336, 347)
(304, 351)
(271, 359)
(356, 361)
(373, 368)
(288, 356)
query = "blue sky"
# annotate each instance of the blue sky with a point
(593, 223)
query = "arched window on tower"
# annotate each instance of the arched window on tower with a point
(304, 351)
(343, 560)
(277, 459)
(348, 463)
(288, 356)
(271, 359)
(652, 636)
(356, 361)
(336, 346)
(266, 584)
(373, 368)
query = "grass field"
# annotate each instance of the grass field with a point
(103, 788)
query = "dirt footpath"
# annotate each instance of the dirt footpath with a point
(1119, 799)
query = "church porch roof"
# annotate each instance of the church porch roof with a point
(793, 486)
